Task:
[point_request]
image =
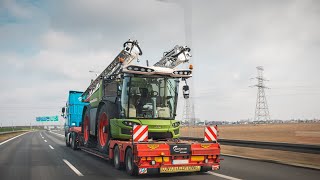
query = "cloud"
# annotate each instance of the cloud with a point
(52, 46)
(17, 10)
(58, 40)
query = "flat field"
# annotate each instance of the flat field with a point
(303, 133)
(299, 133)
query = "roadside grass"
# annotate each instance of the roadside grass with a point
(4, 137)
(7, 129)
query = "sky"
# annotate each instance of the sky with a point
(48, 48)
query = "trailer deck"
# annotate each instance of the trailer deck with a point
(155, 156)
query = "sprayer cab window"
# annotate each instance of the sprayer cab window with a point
(151, 98)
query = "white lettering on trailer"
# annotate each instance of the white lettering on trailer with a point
(180, 150)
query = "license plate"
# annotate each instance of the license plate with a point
(179, 169)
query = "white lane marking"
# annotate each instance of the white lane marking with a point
(223, 176)
(42, 137)
(45, 140)
(72, 167)
(12, 138)
(40, 134)
(57, 134)
(51, 147)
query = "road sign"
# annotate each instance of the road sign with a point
(140, 133)
(47, 118)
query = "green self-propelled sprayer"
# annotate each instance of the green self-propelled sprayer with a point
(124, 95)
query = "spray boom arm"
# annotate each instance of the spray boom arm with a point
(174, 57)
(131, 50)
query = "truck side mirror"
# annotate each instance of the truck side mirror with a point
(185, 91)
(63, 110)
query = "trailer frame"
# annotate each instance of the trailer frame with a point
(153, 157)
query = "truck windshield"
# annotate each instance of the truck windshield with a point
(149, 97)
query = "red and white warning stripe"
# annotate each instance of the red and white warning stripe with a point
(211, 133)
(140, 133)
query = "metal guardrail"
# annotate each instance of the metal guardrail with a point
(303, 148)
(9, 132)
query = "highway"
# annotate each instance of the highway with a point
(43, 155)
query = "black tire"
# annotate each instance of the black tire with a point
(103, 121)
(67, 143)
(66, 137)
(74, 145)
(205, 168)
(116, 158)
(131, 167)
(87, 142)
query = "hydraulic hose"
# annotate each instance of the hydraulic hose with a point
(134, 43)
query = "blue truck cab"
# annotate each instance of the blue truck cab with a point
(73, 110)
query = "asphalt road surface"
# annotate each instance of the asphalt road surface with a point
(43, 155)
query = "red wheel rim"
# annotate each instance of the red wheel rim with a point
(103, 122)
(86, 128)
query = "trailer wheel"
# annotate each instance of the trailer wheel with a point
(131, 167)
(86, 129)
(116, 158)
(73, 141)
(206, 168)
(67, 144)
(103, 127)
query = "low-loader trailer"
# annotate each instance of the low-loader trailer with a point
(129, 115)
